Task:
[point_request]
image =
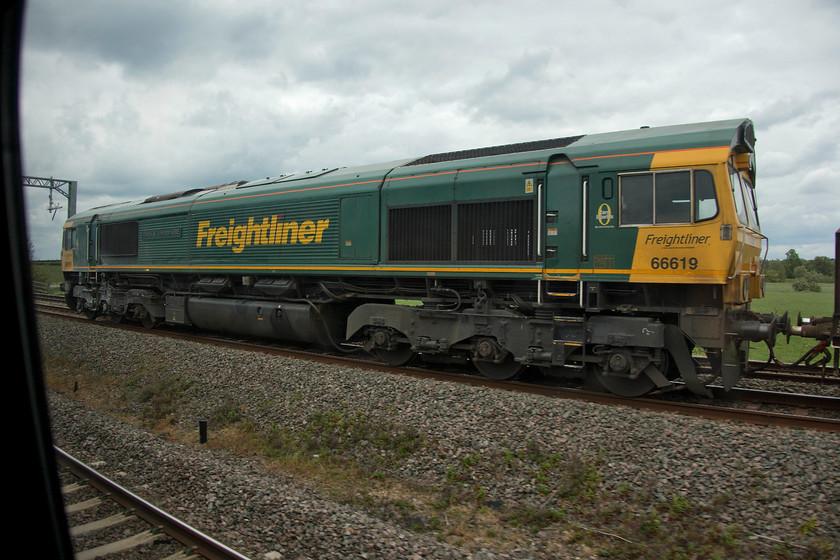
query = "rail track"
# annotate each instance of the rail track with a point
(744, 405)
(102, 514)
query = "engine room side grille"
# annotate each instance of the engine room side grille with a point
(118, 239)
(421, 233)
(496, 231)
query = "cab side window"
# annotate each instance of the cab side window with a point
(667, 197)
(672, 192)
(705, 201)
(636, 199)
(69, 239)
(744, 196)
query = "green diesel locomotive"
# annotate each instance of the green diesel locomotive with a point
(606, 257)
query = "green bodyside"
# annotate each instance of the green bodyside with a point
(175, 234)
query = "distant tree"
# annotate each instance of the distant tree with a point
(823, 266)
(774, 271)
(792, 262)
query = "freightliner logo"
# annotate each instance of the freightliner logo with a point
(271, 231)
(678, 240)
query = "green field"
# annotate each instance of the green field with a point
(48, 272)
(780, 297)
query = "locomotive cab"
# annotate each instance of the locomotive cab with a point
(664, 240)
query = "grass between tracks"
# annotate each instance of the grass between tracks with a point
(562, 500)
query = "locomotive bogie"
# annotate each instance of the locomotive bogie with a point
(607, 256)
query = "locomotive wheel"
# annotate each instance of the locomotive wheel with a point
(148, 321)
(624, 386)
(502, 371)
(399, 356)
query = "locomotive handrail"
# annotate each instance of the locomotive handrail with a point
(584, 234)
(736, 269)
(540, 218)
(767, 247)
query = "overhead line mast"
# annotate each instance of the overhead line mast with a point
(64, 187)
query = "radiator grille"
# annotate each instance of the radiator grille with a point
(118, 239)
(496, 231)
(420, 234)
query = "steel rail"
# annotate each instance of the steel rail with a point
(777, 397)
(713, 412)
(198, 542)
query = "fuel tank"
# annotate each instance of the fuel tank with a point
(299, 322)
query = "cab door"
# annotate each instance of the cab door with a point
(359, 227)
(609, 248)
(70, 250)
(93, 241)
(563, 220)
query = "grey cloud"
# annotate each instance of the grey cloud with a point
(144, 38)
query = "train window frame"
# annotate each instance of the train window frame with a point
(644, 209)
(752, 204)
(70, 239)
(670, 204)
(702, 214)
(746, 207)
(738, 196)
(648, 207)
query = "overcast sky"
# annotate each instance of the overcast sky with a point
(135, 98)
